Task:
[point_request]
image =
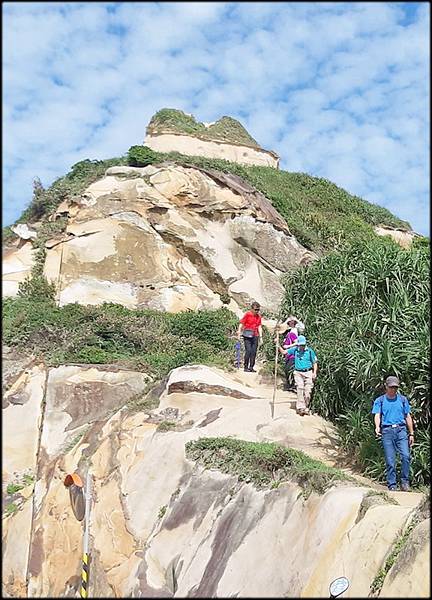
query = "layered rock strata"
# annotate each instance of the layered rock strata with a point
(168, 238)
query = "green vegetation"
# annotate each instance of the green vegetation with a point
(28, 479)
(13, 488)
(11, 509)
(367, 316)
(153, 341)
(166, 426)
(225, 129)
(141, 156)
(162, 511)
(8, 235)
(264, 464)
(81, 175)
(74, 441)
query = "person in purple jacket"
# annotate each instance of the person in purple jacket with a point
(290, 339)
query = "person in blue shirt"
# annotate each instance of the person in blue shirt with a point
(394, 425)
(305, 372)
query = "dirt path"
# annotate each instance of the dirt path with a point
(312, 434)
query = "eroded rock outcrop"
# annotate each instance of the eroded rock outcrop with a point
(403, 237)
(160, 525)
(168, 238)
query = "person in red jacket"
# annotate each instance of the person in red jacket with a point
(251, 329)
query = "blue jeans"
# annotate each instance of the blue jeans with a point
(395, 439)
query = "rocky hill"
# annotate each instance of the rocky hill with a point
(198, 490)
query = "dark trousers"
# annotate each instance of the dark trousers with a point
(251, 347)
(289, 374)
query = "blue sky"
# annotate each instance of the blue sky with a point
(338, 90)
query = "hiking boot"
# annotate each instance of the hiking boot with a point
(300, 412)
(252, 371)
(306, 411)
(405, 487)
(246, 370)
(392, 488)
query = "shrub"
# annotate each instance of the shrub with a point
(8, 235)
(12, 488)
(37, 288)
(144, 339)
(141, 156)
(81, 175)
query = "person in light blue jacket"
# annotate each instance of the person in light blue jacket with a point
(305, 371)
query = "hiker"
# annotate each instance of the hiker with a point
(292, 323)
(305, 372)
(289, 341)
(251, 329)
(394, 425)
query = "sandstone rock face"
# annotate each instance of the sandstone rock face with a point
(22, 414)
(194, 146)
(403, 238)
(161, 526)
(17, 264)
(168, 238)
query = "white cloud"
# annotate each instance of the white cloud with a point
(339, 90)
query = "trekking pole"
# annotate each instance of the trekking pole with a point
(237, 349)
(86, 555)
(275, 369)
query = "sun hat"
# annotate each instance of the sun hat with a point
(301, 340)
(392, 381)
(291, 318)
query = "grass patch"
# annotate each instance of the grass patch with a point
(11, 509)
(8, 235)
(12, 488)
(28, 479)
(147, 340)
(81, 175)
(166, 426)
(264, 464)
(225, 129)
(75, 440)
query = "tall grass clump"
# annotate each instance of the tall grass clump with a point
(367, 315)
